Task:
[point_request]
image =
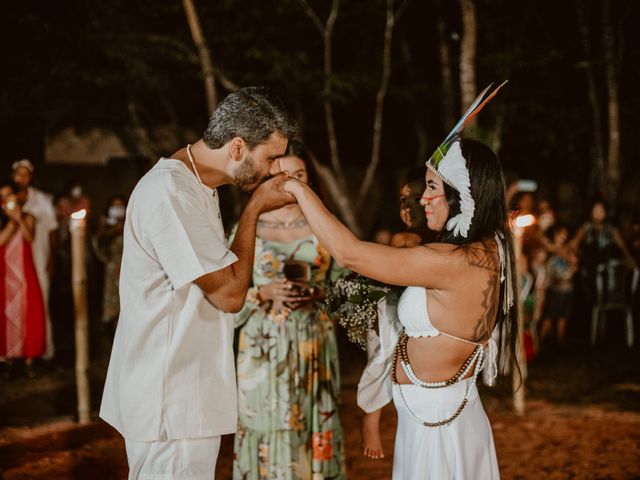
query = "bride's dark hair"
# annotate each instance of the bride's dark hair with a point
(491, 216)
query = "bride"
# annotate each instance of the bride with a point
(459, 290)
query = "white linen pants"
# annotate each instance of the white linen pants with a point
(184, 459)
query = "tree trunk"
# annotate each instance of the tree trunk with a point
(613, 104)
(445, 71)
(204, 55)
(337, 184)
(468, 55)
(379, 110)
(597, 167)
(338, 194)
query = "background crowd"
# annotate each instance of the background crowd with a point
(570, 264)
(570, 273)
(37, 308)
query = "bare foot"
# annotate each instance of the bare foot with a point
(371, 442)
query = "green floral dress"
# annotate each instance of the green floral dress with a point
(288, 378)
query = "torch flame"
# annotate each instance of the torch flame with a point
(523, 221)
(79, 215)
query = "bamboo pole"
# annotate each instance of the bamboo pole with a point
(77, 228)
(520, 364)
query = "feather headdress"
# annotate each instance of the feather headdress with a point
(448, 163)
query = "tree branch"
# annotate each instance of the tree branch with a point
(313, 16)
(203, 52)
(380, 96)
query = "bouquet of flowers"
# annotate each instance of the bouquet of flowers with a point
(353, 299)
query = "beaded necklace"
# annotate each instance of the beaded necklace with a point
(298, 222)
(477, 357)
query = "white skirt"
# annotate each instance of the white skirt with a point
(462, 449)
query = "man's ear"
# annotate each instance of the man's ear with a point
(237, 148)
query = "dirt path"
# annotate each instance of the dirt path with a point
(574, 428)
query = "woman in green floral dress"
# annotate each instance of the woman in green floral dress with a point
(288, 372)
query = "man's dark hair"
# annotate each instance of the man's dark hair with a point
(251, 113)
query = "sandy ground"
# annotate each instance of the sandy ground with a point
(582, 422)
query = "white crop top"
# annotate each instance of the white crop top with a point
(414, 317)
(413, 313)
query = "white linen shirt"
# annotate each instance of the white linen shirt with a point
(171, 373)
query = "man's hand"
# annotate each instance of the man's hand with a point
(271, 195)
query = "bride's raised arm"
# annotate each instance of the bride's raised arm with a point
(432, 266)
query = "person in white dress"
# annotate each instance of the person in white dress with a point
(40, 205)
(460, 292)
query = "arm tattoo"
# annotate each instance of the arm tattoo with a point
(484, 325)
(486, 261)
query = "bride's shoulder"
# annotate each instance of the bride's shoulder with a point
(476, 253)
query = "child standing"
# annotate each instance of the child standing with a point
(561, 267)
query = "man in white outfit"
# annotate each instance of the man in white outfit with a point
(40, 205)
(171, 387)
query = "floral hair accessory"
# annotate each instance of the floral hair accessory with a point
(449, 164)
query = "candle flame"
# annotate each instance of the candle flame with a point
(523, 221)
(79, 215)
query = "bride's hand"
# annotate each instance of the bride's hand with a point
(294, 186)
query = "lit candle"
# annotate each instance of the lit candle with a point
(77, 228)
(519, 224)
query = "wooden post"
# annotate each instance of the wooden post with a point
(520, 364)
(77, 227)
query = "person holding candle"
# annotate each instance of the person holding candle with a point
(22, 311)
(171, 383)
(460, 289)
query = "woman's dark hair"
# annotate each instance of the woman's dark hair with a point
(415, 177)
(555, 229)
(597, 201)
(415, 180)
(296, 148)
(490, 217)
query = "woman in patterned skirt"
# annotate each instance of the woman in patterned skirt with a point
(287, 364)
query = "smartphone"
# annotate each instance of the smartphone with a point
(298, 273)
(527, 185)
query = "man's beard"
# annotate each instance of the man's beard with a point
(246, 176)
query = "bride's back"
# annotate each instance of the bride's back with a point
(465, 307)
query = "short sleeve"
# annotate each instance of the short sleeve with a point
(49, 218)
(186, 239)
(40, 206)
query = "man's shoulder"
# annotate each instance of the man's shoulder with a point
(167, 174)
(40, 196)
(167, 181)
